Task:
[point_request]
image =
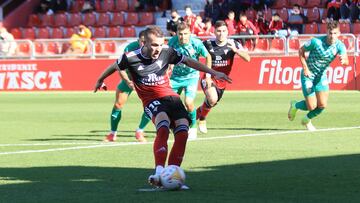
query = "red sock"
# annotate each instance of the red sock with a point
(178, 149)
(204, 111)
(160, 147)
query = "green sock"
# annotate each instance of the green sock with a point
(301, 105)
(115, 118)
(144, 121)
(315, 112)
(192, 116)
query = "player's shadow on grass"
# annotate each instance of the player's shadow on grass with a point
(247, 129)
(320, 179)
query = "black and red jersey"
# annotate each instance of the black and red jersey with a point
(150, 76)
(222, 58)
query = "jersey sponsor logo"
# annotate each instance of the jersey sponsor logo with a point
(226, 51)
(273, 72)
(28, 77)
(153, 79)
(140, 68)
(159, 63)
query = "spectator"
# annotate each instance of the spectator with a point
(333, 12)
(88, 6)
(345, 13)
(208, 28)
(296, 20)
(148, 5)
(245, 27)
(173, 22)
(213, 10)
(199, 25)
(190, 18)
(277, 26)
(261, 24)
(354, 10)
(44, 8)
(79, 41)
(7, 44)
(58, 5)
(231, 23)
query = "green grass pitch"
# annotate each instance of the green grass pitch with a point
(51, 150)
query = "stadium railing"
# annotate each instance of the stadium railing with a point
(266, 45)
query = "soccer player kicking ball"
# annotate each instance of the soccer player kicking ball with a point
(315, 87)
(183, 77)
(148, 68)
(122, 93)
(222, 51)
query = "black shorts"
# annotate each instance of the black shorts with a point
(171, 105)
(219, 91)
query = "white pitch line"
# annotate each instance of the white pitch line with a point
(51, 144)
(199, 139)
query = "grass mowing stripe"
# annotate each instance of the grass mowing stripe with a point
(199, 139)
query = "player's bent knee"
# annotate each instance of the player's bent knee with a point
(322, 105)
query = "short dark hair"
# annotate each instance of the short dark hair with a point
(174, 10)
(155, 30)
(142, 33)
(182, 26)
(187, 6)
(220, 23)
(332, 25)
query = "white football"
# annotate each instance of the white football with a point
(172, 177)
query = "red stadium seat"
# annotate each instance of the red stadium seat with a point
(311, 28)
(345, 28)
(39, 47)
(74, 19)
(277, 45)
(110, 47)
(131, 18)
(117, 19)
(47, 20)
(76, 6)
(103, 19)
(57, 33)
(34, 20)
(60, 19)
(99, 32)
(114, 32)
(24, 48)
(313, 15)
(89, 19)
(16, 32)
(29, 33)
(301, 3)
(262, 45)
(283, 13)
(43, 33)
(107, 5)
(68, 32)
(280, 4)
(356, 28)
(52, 48)
(251, 14)
(322, 28)
(313, 3)
(128, 31)
(122, 5)
(146, 18)
(294, 44)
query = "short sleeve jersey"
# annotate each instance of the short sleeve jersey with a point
(194, 49)
(150, 76)
(322, 54)
(222, 58)
(132, 46)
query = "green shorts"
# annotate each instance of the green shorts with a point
(311, 85)
(189, 85)
(123, 87)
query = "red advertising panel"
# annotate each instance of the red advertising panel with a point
(262, 73)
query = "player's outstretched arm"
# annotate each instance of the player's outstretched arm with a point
(203, 68)
(110, 70)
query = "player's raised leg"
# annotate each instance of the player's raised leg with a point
(211, 98)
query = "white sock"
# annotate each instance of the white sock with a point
(139, 130)
(113, 132)
(159, 169)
